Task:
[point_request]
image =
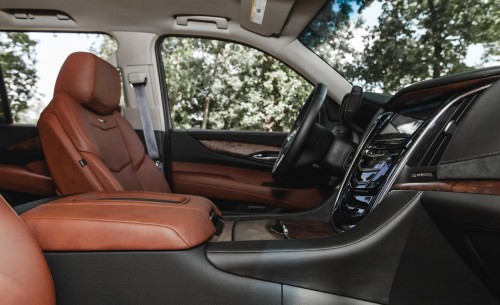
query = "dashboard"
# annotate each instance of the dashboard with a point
(394, 207)
(404, 143)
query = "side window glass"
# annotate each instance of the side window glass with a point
(215, 84)
(30, 63)
(4, 105)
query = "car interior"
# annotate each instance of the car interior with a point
(115, 196)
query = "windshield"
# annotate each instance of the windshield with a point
(386, 45)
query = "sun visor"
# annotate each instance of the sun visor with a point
(474, 150)
(265, 17)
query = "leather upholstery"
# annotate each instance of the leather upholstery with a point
(81, 123)
(24, 275)
(122, 221)
(224, 182)
(30, 179)
(91, 81)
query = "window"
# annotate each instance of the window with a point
(4, 106)
(215, 84)
(386, 45)
(31, 61)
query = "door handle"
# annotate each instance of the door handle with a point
(270, 157)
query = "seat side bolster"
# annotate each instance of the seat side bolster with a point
(63, 159)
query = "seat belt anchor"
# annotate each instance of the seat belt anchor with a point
(137, 79)
(159, 164)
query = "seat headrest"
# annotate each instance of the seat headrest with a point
(91, 81)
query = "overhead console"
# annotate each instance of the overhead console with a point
(406, 142)
(122, 221)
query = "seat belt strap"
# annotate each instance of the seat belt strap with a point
(139, 82)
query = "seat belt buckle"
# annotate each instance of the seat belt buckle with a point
(159, 164)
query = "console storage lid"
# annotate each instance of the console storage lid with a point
(121, 221)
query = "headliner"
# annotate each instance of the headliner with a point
(153, 16)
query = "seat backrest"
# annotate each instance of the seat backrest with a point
(88, 145)
(24, 275)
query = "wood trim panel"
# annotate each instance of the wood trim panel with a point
(486, 187)
(238, 184)
(237, 149)
(303, 229)
(430, 93)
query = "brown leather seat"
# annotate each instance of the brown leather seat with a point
(88, 145)
(24, 275)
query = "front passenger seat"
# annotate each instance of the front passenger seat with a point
(88, 145)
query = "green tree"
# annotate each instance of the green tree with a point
(422, 39)
(102, 45)
(219, 85)
(18, 60)
(331, 32)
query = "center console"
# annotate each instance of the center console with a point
(122, 221)
(363, 186)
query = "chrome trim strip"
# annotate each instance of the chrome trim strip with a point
(354, 162)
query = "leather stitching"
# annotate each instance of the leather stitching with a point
(112, 221)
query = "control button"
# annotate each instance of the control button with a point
(364, 199)
(450, 128)
(354, 211)
(373, 160)
(379, 165)
(357, 206)
(366, 177)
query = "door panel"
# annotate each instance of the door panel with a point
(219, 165)
(238, 184)
(19, 144)
(23, 172)
(186, 147)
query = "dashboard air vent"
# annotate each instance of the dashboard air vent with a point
(434, 146)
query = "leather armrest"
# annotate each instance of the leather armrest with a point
(121, 221)
(26, 179)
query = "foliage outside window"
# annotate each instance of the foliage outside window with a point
(4, 107)
(391, 44)
(215, 84)
(30, 63)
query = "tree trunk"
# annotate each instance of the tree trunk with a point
(206, 112)
(436, 31)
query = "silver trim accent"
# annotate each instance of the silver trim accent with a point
(353, 164)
